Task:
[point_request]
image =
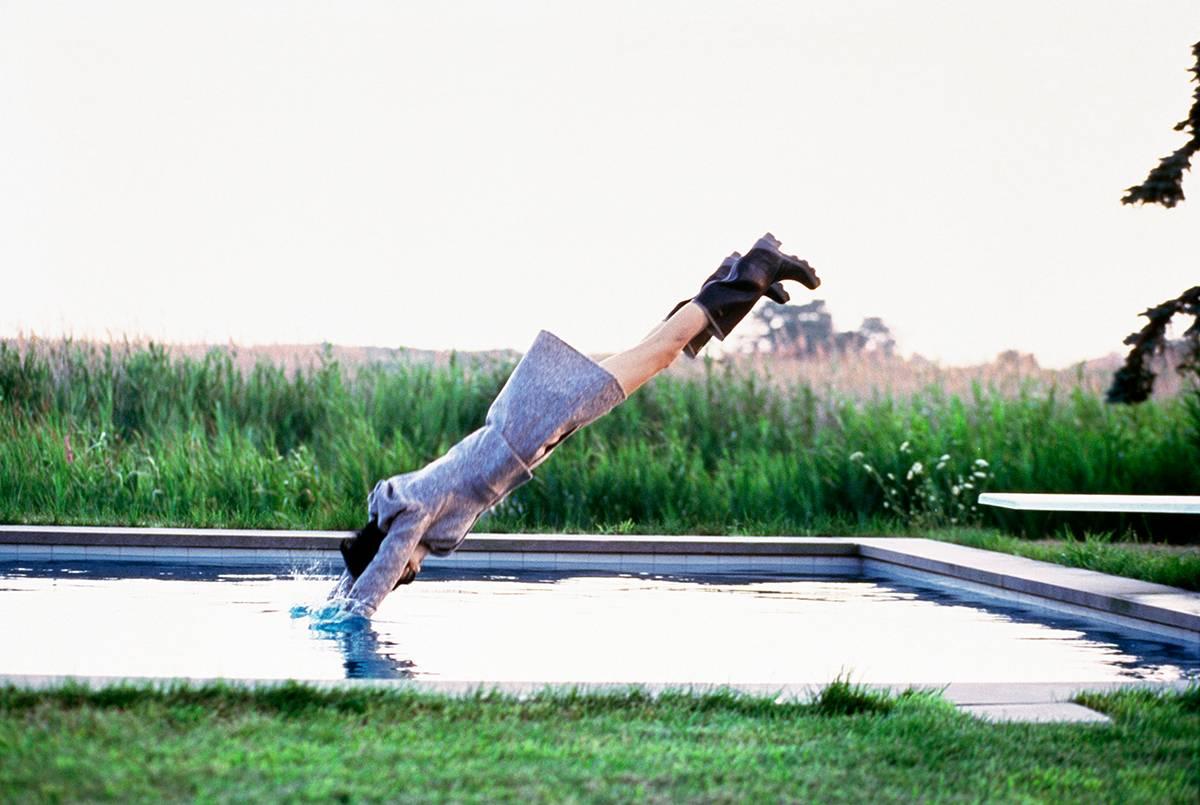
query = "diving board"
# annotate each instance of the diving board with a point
(1129, 504)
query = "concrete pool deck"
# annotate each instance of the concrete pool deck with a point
(1152, 608)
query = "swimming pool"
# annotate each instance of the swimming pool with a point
(128, 619)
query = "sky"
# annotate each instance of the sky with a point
(463, 174)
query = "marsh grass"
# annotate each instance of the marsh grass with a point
(139, 437)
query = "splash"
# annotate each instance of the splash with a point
(331, 616)
(311, 569)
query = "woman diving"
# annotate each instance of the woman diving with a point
(553, 391)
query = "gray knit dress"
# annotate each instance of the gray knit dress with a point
(554, 391)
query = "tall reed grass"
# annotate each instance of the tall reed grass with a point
(136, 436)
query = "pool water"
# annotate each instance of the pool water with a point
(111, 619)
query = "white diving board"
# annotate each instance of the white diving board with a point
(1130, 504)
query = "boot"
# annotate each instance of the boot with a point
(727, 300)
(775, 293)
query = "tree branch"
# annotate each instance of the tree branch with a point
(1164, 184)
(1134, 381)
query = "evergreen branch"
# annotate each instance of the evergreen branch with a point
(1134, 381)
(1164, 184)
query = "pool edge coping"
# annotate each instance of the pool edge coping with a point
(1115, 595)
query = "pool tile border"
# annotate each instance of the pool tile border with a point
(1127, 600)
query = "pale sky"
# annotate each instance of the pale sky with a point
(454, 174)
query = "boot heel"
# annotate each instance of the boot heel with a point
(790, 267)
(768, 242)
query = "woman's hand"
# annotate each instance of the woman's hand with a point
(414, 564)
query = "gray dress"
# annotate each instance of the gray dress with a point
(554, 391)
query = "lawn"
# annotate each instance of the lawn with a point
(222, 744)
(1176, 565)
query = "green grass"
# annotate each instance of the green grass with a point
(222, 744)
(136, 437)
(1178, 567)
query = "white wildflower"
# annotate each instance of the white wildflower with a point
(891, 477)
(979, 474)
(868, 468)
(945, 457)
(979, 462)
(954, 490)
(856, 455)
(904, 447)
(915, 469)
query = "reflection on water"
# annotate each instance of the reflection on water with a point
(366, 655)
(155, 620)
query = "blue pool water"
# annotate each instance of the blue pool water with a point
(112, 619)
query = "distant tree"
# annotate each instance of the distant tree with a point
(1134, 381)
(807, 330)
(795, 329)
(877, 336)
(1012, 360)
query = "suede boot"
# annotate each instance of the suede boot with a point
(727, 300)
(775, 293)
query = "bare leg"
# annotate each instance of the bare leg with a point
(658, 350)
